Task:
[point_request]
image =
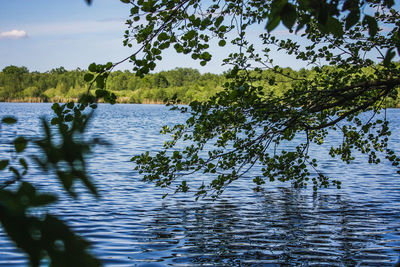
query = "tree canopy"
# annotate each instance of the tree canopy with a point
(350, 46)
(188, 85)
(60, 85)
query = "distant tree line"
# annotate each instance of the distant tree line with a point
(186, 84)
(60, 85)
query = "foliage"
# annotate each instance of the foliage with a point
(187, 85)
(23, 209)
(23, 212)
(53, 85)
(350, 46)
(59, 85)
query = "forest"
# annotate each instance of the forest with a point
(60, 85)
(185, 84)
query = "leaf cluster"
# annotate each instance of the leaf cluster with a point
(245, 126)
(23, 212)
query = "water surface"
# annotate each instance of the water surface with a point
(130, 224)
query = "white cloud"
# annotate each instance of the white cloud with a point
(14, 34)
(77, 27)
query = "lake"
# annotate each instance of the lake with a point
(131, 225)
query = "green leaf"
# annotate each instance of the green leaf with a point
(222, 43)
(23, 163)
(206, 56)
(350, 5)
(92, 67)
(100, 82)
(305, 19)
(9, 120)
(323, 16)
(163, 36)
(190, 35)
(88, 77)
(55, 121)
(4, 163)
(388, 3)
(390, 54)
(273, 23)
(69, 118)
(15, 171)
(20, 144)
(372, 25)
(352, 18)
(335, 27)
(70, 105)
(218, 21)
(27, 189)
(43, 199)
(178, 48)
(125, 1)
(109, 65)
(288, 15)
(101, 93)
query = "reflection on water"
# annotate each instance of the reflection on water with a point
(130, 225)
(282, 227)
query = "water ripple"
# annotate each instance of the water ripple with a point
(130, 225)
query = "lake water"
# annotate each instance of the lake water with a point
(131, 225)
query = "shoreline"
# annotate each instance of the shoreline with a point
(122, 100)
(66, 100)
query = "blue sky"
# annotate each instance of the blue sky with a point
(45, 34)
